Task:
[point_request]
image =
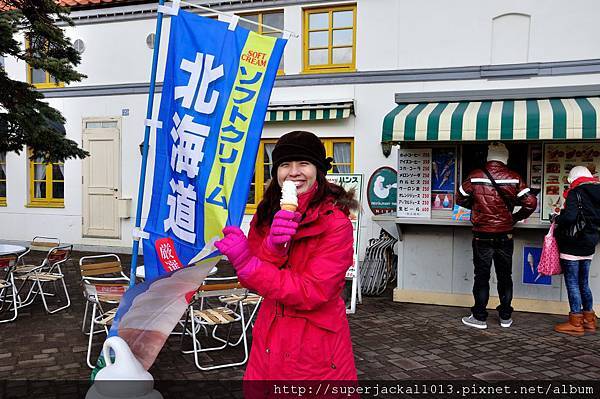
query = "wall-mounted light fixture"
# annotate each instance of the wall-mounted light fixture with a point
(150, 41)
(79, 46)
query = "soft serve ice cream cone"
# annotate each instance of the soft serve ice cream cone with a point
(289, 196)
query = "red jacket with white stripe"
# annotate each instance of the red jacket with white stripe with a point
(489, 212)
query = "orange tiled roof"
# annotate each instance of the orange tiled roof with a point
(75, 3)
(92, 3)
(83, 3)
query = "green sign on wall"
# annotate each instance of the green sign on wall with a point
(381, 190)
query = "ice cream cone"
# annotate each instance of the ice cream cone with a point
(289, 207)
(289, 197)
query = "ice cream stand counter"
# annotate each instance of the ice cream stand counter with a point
(439, 144)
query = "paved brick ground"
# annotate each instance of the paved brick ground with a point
(392, 341)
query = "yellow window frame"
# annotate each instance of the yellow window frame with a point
(47, 201)
(330, 66)
(262, 30)
(3, 181)
(259, 173)
(48, 83)
(329, 144)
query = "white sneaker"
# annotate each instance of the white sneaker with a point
(471, 321)
(506, 323)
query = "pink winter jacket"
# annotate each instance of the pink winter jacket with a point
(301, 332)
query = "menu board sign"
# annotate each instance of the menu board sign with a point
(559, 159)
(414, 183)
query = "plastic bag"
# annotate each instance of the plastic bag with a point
(550, 258)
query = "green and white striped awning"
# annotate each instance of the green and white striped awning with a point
(541, 119)
(309, 111)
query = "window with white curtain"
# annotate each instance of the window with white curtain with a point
(46, 183)
(342, 162)
(267, 163)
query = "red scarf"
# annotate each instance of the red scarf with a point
(578, 181)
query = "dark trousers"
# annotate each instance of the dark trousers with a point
(500, 250)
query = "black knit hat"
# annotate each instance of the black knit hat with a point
(300, 146)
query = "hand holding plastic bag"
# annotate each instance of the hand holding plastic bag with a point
(235, 246)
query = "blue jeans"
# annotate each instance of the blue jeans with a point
(577, 281)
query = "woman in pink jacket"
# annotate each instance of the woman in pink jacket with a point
(297, 262)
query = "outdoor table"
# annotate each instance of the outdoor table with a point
(6, 249)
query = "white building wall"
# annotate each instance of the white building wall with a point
(510, 39)
(22, 223)
(116, 52)
(292, 21)
(436, 34)
(391, 35)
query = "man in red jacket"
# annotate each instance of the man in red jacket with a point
(492, 197)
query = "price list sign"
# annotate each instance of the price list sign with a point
(414, 183)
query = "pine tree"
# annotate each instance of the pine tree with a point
(25, 118)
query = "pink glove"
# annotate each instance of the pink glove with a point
(284, 226)
(235, 246)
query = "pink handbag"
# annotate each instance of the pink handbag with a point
(550, 258)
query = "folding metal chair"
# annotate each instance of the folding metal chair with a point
(39, 243)
(104, 283)
(202, 316)
(251, 304)
(378, 267)
(7, 287)
(42, 275)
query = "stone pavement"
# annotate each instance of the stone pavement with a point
(392, 341)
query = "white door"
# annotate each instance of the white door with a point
(101, 178)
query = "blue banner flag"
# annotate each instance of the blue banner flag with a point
(217, 84)
(215, 95)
